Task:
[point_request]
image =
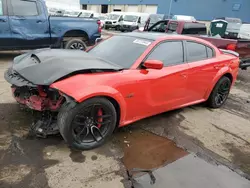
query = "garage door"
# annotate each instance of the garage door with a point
(151, 9)
(94, 8)
(132, 8)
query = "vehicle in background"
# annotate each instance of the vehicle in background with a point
(96, 92)
(114, 20)
(183, 18)
(152, 19)
(244, 32)
(133, 21)
(180, 27)
(233, 27)
(101, 17)
(27, 25)
(86, 14)
(241, 46)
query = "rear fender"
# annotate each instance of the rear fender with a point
(84, 93)
(219, 74)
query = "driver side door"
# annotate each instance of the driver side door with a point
(166, 88)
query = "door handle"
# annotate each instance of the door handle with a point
(39, 21)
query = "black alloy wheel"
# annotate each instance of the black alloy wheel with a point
(220, 93)
(89, 124)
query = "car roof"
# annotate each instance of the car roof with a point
(157, 36)
(168, 36)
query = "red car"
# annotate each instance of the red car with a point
(86, 95)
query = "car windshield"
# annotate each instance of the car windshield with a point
(121, 50)
(130, 18)
(156, 17)
(102, 17)
(113, 16)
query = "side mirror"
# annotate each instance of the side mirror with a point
(153, 64)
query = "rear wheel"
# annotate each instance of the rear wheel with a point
(88, 125)
(75, 44)
(220, 93)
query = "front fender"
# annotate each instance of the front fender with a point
(219, 74)
(84, 93)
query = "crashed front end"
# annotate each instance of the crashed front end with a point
(35, 97)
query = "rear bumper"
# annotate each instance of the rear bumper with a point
(93, 39)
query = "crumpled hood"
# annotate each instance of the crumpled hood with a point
(45, 66)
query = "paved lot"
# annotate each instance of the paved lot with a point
(217, 136)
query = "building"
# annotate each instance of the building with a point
(200, 9)
(71, 4)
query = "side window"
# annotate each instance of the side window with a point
(196, 51)
(139, 20)
(170, 53)
(210, 52)
(1, 7)
(160, 27)
(172, 27)
(24, 8)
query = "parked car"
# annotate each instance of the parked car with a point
(153, 19)
(244, 32)
(91, 93)
(241, 46)
(133, 20)
(113, 20)
(27, 25)
(71, 13)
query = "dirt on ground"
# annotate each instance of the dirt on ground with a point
(218, 136)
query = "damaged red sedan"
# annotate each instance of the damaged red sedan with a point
(86, 95)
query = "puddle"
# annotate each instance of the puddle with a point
(145, 150)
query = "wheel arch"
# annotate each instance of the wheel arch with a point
(76, 33)
(220, 74)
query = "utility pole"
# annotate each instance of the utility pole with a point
(170, 7)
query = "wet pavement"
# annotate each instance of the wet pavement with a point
(218, 136)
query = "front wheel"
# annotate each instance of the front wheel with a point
(88, 125)
(220, 93)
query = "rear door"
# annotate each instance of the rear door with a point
(28, 23)
(203, 67)
(5, 33)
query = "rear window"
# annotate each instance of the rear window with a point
(121, 50)
(194, 29)
(198, 52)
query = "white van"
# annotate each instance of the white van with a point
(133, 21)
(113, 20)
(244, 31)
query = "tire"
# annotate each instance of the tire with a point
(77, 43)
(213, 100)
(68, 115)
(106, 27)
(118, 28)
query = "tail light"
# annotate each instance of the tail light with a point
(99, 26)
(231, 47)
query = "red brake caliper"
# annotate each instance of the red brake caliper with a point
(100, 119)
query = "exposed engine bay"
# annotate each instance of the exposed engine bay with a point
(31, 75)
